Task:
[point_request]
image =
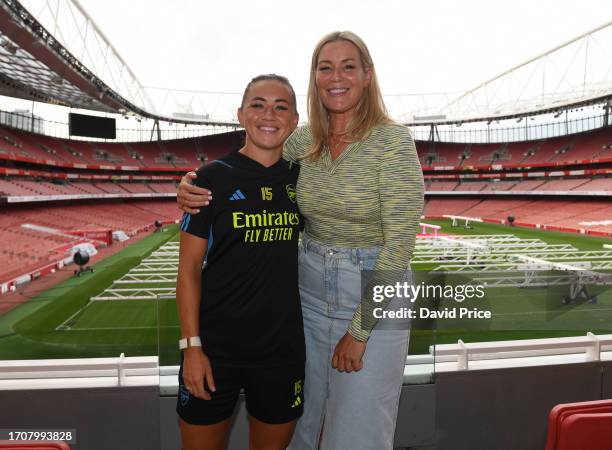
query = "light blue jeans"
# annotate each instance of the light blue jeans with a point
(344, 411)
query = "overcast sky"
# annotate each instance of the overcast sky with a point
(417, 46)
(426, 46)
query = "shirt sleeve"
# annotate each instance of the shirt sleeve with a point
(297, 144)
(199, 224)
(401, 197)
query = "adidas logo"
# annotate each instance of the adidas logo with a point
(297, 402)
(237, 195)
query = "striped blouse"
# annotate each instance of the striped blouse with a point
(370, 195)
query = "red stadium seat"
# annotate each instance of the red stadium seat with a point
(560, 413)
(177, 153)
(562, 149)
(586, 431)
(33, 445)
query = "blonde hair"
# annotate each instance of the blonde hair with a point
(370, 110)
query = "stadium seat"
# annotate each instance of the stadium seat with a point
(592, 431)
(591, 215)
(560, 413)
(177, 153)
(558, 150)
(33, 445)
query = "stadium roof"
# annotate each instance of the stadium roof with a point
(62, 57)
(35, 64)
(573, 74)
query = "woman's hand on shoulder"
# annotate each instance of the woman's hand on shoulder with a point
(196, 369)
(190, 197)
(348, 355)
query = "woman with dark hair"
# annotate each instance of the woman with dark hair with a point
(240, 316)
(360, 191)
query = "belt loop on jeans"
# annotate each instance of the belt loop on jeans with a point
(312, 246)
(354, 256)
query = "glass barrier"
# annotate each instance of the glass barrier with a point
(502, 287)
(107, 311)
(420, 362)
(419, 368)
(484, 283)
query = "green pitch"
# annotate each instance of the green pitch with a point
(525, 313)
(63, 323)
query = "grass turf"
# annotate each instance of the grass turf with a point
(146, 327)
(527, 313)
(28, 331)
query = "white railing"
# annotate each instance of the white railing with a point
(520, 193)
(79, 373)
(145, 371)
(60, 197)
(499, 354)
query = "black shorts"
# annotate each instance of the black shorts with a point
(273, 394)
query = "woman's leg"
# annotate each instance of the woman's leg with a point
(362, 406)
(317, 328)
(316, 331)
(205, 424)
(205, 437)
(274, 401)
(266, 436)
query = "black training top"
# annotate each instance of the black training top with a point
(250, 311)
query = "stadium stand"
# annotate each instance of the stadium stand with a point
(84, 187)
(517, 152)
(129, 217)
(598, 184)
(528, 185)
(136, 188)
(40, 187)
(593, 145)
(562, 185)
(555, 184)
(8, 187)
(183, 153)
(500, 185)
(589, 215)
(441, 185)
(105, 159)
(471, 186)
(20, 143)
(26, 248)
(28, 187)
(163, 187)
(437, 207)
(189, 153)
(110, 188)
(23, 248)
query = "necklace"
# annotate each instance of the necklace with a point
(337, 145)
(337, 141)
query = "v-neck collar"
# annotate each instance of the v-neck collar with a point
(332, 165)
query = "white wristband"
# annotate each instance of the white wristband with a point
(193, 341)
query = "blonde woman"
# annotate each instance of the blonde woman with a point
(360, 190)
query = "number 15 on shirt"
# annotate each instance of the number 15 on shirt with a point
(266, 193)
